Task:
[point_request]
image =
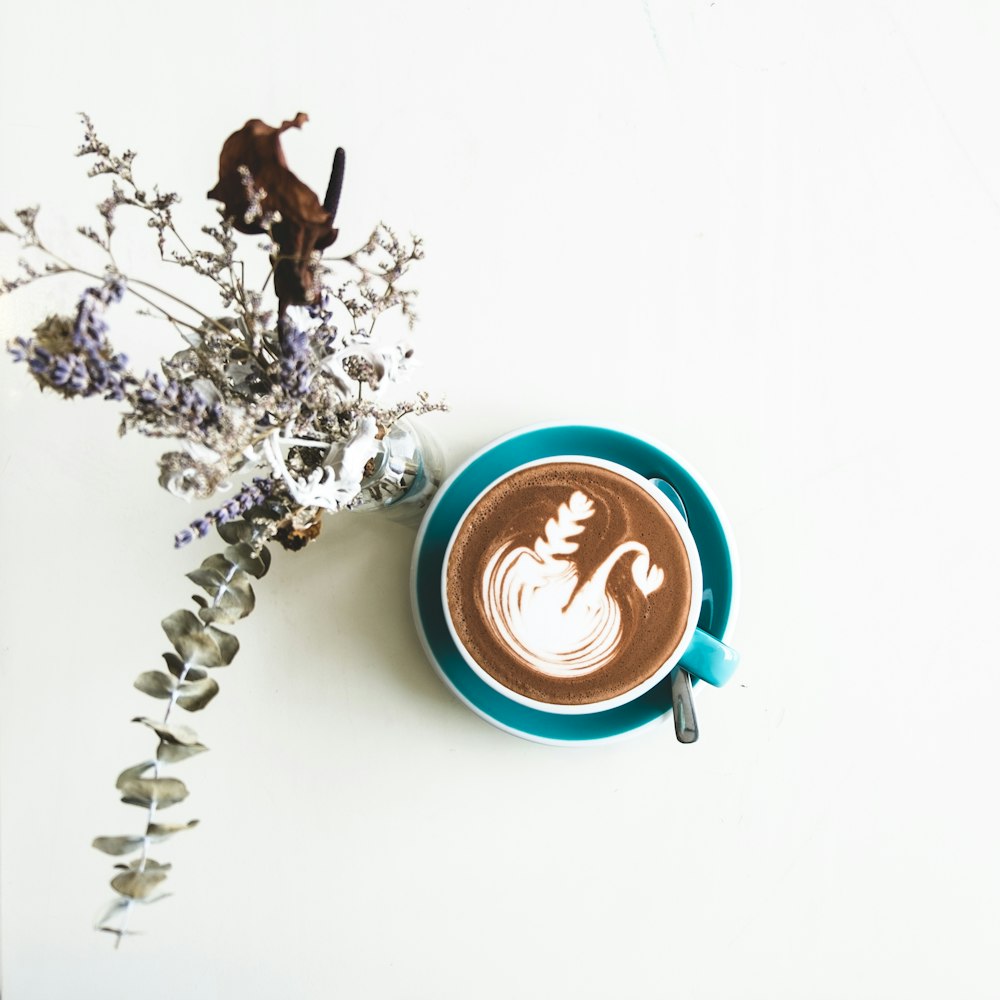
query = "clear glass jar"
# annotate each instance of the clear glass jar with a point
(408, 469)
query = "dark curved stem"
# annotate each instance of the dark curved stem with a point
(332, 199)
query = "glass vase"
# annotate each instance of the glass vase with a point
(406, 472)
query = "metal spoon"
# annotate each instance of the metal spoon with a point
(685, 721)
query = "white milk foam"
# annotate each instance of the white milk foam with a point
(541, 611)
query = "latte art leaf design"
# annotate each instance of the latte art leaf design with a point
(544, 614)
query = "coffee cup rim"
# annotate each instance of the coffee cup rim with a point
(694, 563)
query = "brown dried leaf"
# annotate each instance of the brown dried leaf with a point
(304, 226)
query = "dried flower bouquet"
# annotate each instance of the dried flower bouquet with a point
(285, 401)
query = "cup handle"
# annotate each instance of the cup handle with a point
(709, 660)
(706, 658)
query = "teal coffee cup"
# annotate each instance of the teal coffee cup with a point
(694, 623)
(567, 638)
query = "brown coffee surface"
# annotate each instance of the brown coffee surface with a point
(562, 545)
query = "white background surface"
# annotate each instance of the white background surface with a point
(768, 233)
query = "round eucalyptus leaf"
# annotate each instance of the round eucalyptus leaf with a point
(177, 742)
(229, 605)
(135, 771)
(208, 579)
(228, 645)
(199, 649)
(160, 831)
(117, 845)
(235, 585)
(174, 753)
(243, 555)
(236, 531)
(181, 669)
(218, 564)
(147, 864)
(226, 610)
(179, 624)
(176, 733)
(138, 884)
(161, 792)
(222, 615)
(156, 683)
(195, 695)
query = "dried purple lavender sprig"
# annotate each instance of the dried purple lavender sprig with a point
(165, 407)
(78, 360)
(70, 374)
(75, 356)
(297, 361)
(249, 496)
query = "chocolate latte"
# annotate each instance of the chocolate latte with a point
(568, 583)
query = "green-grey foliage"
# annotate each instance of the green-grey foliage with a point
(118, 845)
(140, 879)
(195, 695)
(181, 669)
(176, 742)
(199, 647)
(141, 791)
(156, 684)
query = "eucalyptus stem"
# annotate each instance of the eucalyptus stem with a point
(198, 645)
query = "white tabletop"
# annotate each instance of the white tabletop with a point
(766, 234)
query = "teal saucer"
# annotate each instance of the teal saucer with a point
(707, 525)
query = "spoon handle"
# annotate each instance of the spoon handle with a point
(685, 722)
